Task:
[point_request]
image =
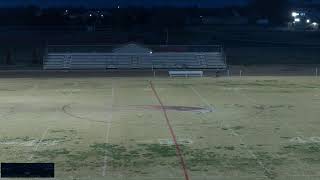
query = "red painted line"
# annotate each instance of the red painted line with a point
(178, 149)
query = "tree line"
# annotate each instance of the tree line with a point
(276, 11)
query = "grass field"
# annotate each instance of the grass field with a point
(114, 128)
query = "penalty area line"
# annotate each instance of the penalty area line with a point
(201, 97)
(35, 149)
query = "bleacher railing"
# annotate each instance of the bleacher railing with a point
(101, 48)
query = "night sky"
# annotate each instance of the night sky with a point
(113, 3)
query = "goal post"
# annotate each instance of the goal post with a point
(186, 74)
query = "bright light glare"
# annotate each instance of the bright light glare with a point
(308, 21)
(314, 23)
(297, 20)
(295, 14)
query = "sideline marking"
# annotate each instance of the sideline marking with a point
(251, 153)
(109, 124)
(39, 142)
(178, 149)
(254, 101)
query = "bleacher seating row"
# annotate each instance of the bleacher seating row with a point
(79, 61)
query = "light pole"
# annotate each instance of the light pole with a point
(167, 36)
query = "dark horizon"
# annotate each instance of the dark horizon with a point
(122, 3)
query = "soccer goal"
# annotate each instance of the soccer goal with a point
(186, 74)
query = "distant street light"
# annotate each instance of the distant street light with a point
(66, 12)
(294, 14)
(308, 21)
(297, 20)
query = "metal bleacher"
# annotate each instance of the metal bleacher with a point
(54, 61)
(131, 60)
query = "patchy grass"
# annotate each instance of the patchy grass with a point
(68, 131)
(134, 151)
(17, 140)
(309, 148)
(51, 154)
(158, 150)
(237, 128)
(144, 155)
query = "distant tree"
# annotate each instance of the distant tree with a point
(35, 57)
(275, 10)
(8, 58)
(169, 18)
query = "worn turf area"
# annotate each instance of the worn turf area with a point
(114, 128)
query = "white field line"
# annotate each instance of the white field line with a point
(35, 149)
(253, 101)
(202, 98)
(203, 101)
(109, 124)
(251, 153)
(246, 146)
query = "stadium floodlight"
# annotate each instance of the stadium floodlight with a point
(297, 20)
(308, 21)
(294, 14)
